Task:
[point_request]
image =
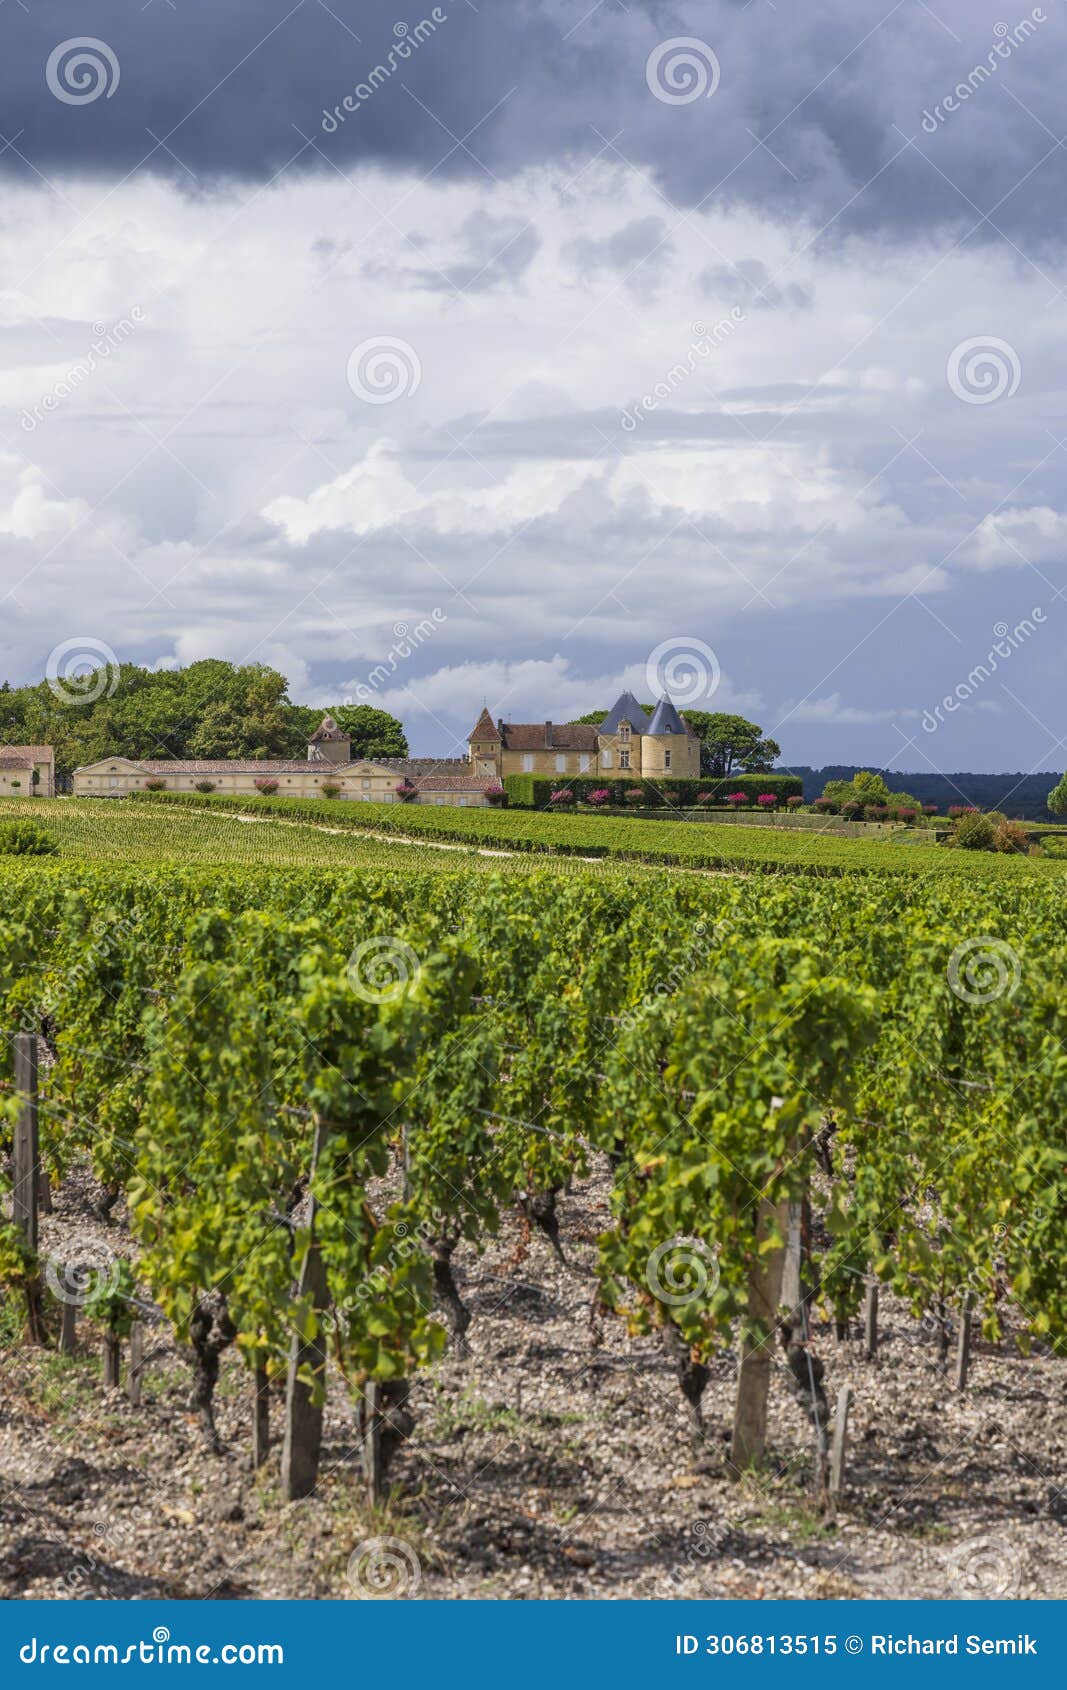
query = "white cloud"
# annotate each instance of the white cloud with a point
(218, 488)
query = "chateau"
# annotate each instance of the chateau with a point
(628, 742)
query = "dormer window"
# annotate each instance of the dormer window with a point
(624, 730)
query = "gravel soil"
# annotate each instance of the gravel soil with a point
(553, 1461)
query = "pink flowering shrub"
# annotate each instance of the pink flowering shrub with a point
(737, 799)
(600, 795)
(406, 792)
(767, 800)
(494, 793)
(265, 786)
(563, 796)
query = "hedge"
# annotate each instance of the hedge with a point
(534, 792)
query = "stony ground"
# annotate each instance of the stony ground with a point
(553, 1462)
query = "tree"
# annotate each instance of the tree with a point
(1057, 798)
(373, 732)
(212, 709)
(732, 745)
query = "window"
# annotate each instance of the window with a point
(527, 765)
(366, 783)
(463, 803)
(624, 730)
(605, 759)
(624, 759)
(561, 765)
(666, 759)
(583, 763)
(113, 781)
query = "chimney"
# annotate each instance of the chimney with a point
(548, 736)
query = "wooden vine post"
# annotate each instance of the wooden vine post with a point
(792, 1293)
(26, 1159)
(112, 1350)
(372, 1439)
(68, 1328)
(837, 1452)
(260, 1416)
(749, 1438)
(135, 1375)
(963, 1343)
(870, 1319)
(26, 1148)
(303, 1416)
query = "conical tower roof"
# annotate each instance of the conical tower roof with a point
(666, 720)
(625, 709)
(327, 729)
(484, 727)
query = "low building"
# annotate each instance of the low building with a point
(627, 742)
(27, 771)
(328, 765)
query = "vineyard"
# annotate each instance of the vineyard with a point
(696, 845)
(728, 1156)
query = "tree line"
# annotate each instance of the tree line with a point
(211, 709)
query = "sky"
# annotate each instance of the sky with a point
(519, 353)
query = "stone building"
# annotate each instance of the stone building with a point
(628, 742)
(27, 771)
(328, 765)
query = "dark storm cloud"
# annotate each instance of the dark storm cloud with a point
(857, 114)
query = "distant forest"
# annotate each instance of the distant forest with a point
(1018, 795)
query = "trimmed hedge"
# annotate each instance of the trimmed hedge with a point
(533, 792)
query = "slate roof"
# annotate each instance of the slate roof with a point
(625, 709)
(20, 764)
(666, 720)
